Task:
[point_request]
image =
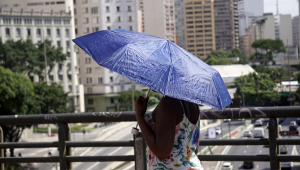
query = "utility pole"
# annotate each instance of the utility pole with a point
(132, 95)
(289, 68)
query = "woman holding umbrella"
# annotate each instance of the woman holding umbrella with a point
(171, 132)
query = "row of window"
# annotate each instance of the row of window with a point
(38, 32)
(119, 19)
(51, 78)
(36, 21)
(46, 3)
(118, 9)
(197, 12)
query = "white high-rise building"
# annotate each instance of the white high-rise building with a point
(39, 20)
(248, 11)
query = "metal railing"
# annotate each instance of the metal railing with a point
(64, 144)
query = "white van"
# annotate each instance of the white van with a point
(258, 133)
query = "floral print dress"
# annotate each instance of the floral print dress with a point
(182, 156)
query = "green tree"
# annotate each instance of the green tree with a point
(16, 98)
(221, 57)
(23, 56)
(258, 89)
(265, 49)
(126, 99)
(51, 98)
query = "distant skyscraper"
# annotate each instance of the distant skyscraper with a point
(180, 23)
(199, 27)
(295, 27)
(248, 10)
(159, 18)
(226, 24)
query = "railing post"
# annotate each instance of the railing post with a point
(63, 136)
(1, 150)
(274, 148)
(139, 152)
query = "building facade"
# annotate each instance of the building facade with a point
(40, 20)
(180, 23)
(226, 24)
(199, 27)
(295, 28)
(159, 19)
(101, 86)
(248, 11)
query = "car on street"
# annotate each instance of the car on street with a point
(283, 149)
(293, 128)
(258, 123)
(206, 136)
(247, 133)
(266, 119)
(258, 133)
(218, 130)
(298, 121)
(227, 166)
(248, 165)
(285, 165)
(227, 120)
(293, 123)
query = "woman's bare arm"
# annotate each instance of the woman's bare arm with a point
(161, 141)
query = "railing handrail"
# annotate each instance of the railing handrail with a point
(127, 116)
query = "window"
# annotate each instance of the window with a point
(18, 30)
(122, 88)
(7, 31)
(111, 79)
(38, 32)
(95, 29)
(57, 32)
(17, 21)
(38, 21)
(75, 11)
(94, 10)
(90, 101)
(129, 8)
(66, 22)
(88, 70)
(57, 21)
(112, 89)
(99, 80)
(118, 9)
(86, 20)
(58, 44)
(70, 77)
(48, 32)
(112, 100)
(85, 10)
(60, 66)
(28, 32)
(89, 80)
(60, 77)
(70, 88)
(87, 30)
(130, 28)
(87, 60)
(50, 77)
(129, 19)
(41, 78)
(67, 32)
(27, 21)
(68, 45)
(108, 28)
(84, 1)
(119, 19)
(107, 19)
(76, 31)
(48, 21)
(6, 20)
(107, 9)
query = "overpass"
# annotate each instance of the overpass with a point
(65, 158)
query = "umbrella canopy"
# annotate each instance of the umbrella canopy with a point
(158, 64)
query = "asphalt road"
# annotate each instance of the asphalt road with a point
(257, 150)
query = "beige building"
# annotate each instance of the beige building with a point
(41, 19)
(159, 18)
(199, 27)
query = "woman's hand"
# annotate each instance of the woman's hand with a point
(141, 106)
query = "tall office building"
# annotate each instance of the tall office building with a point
(102, 85)
(226, 24)
(180, 23)
(248, 11)
(295, 28)
(199, 27)
(159, 18)
(39, 20)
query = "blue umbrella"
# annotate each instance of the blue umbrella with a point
(158, 64)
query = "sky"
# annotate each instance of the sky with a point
(285, 7)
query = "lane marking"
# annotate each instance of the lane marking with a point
(260, 151)
(130, 166)
(247, 146)
(115, 151)
(93, 166)
(244, 151)
(257, 166)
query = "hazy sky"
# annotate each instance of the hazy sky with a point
(285, 7)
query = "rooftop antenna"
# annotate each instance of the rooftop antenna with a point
(277, 7)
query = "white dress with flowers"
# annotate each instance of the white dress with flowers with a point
(182, 156)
